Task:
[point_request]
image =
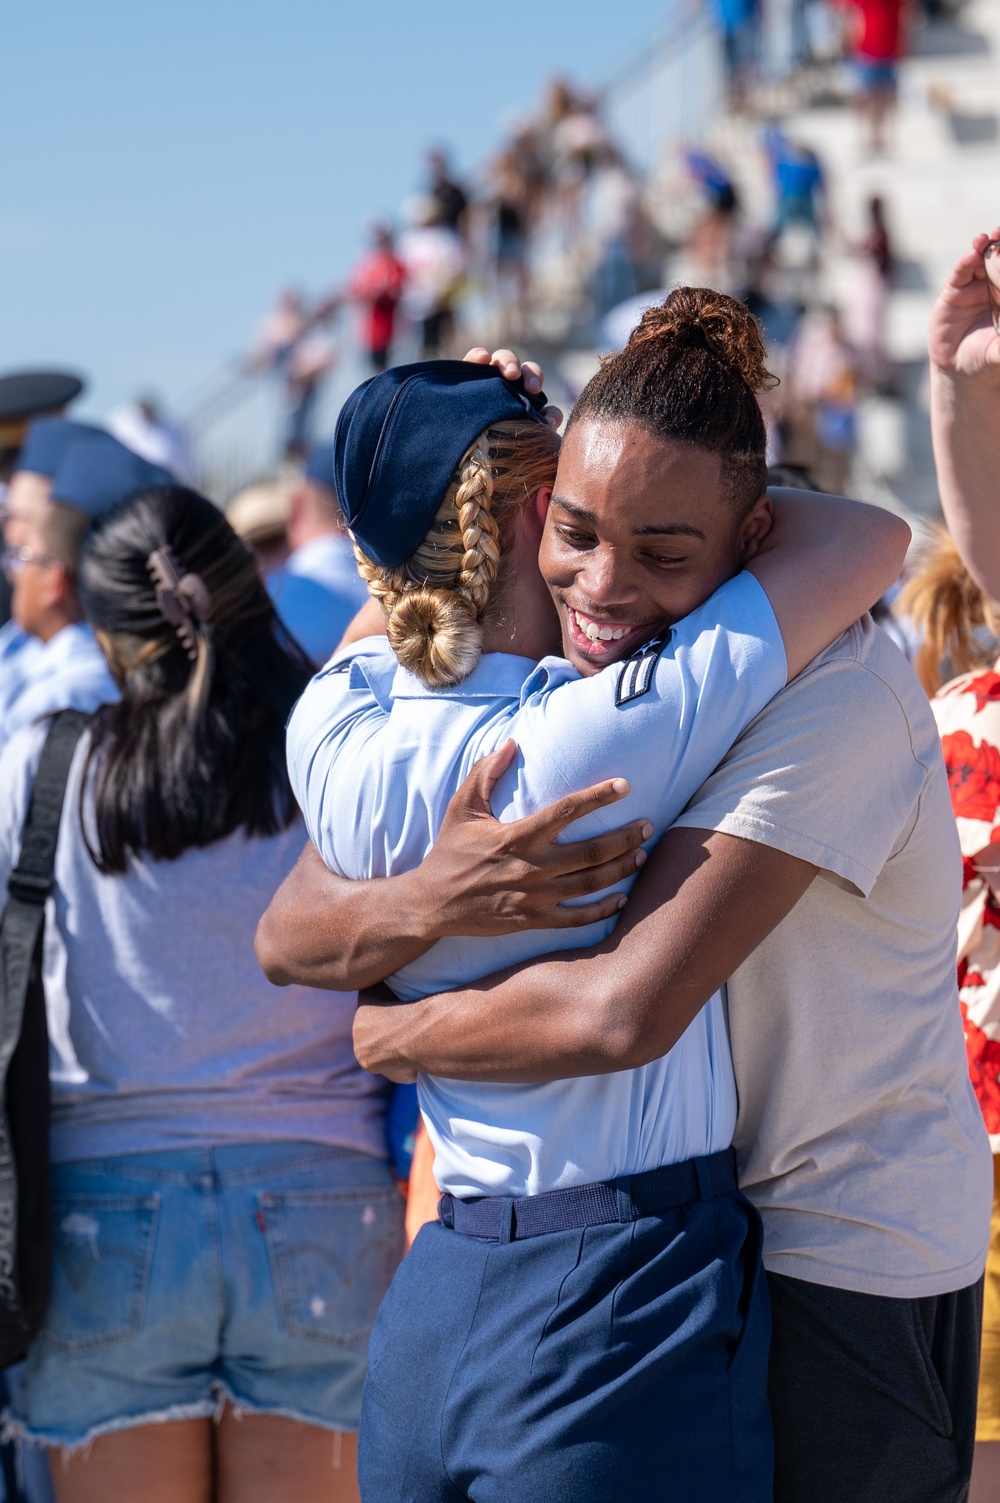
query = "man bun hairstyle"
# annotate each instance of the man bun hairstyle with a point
(691, 373)
(435, 603)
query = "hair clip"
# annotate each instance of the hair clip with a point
(180, 598)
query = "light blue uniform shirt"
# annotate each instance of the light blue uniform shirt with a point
(17, 651)
(375, 756)
(318, 592)
(69, 672)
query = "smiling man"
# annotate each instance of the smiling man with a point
(594, 515)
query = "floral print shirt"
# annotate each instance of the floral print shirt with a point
(967, 711)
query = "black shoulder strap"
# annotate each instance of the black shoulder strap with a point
(31, 880)
(30, 884)
(22, 1004)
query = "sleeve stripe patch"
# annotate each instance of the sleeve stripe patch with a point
(635, 677)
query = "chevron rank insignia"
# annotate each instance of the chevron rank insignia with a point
(635, 677)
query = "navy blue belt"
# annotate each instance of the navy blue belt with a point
(509, 1218)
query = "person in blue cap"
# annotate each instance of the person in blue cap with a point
(588, 1318)
(318, 590)
(41, 445)
(25, 396)
(70, 473)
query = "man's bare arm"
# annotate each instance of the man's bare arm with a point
(703, 904)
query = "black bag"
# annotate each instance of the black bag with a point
(25, 1181)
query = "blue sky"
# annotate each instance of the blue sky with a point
(168, 165)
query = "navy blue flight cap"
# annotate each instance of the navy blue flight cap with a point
(48, 442)
(319, 466)
(28, 394)
(399, 439)
(98, 472)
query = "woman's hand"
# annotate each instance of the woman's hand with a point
(510, 367)
(964, 350)
(483, 877)
(962, 340)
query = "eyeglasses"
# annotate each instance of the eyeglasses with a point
(14, 559)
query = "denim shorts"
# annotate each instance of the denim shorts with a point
(874, 74)
(186, 1277)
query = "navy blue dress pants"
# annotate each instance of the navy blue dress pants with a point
(624, 1361)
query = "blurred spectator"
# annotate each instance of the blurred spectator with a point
(317, 591)
(279, 331)
(799, 187)
(141, 427)
(613, 211)
(711, 239)
(576, 139)
(450, 198)
(865, 313)
(377, 284)
(259, 515)
(70, 474)
(876, 45)
(511, 210)
(739, 23)
(290, 343)
(434, 260)
(311, 361)
(818, 412)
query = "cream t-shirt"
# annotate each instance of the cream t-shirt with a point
(859, 1137)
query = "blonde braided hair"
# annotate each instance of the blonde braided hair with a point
(435, 603)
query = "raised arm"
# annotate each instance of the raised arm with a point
(704, 903)
(824, 563)
(480, 877)
(964, 353)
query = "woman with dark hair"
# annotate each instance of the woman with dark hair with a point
(588, 1319)
(225, 1221)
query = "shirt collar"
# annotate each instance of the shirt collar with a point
(68, 642)
(332, 545)
(498, 675)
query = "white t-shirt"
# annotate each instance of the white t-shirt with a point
(375, 756)
(859, 1136)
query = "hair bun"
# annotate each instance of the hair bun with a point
(698, 318)
(434, 633)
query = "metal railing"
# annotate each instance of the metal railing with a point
(668, 95)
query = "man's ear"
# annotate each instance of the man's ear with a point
(755, 528)
(542, 499)
(62, 590)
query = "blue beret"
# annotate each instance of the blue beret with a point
(98, 472)
(48, 442)
(319, 466)
(399, 439)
